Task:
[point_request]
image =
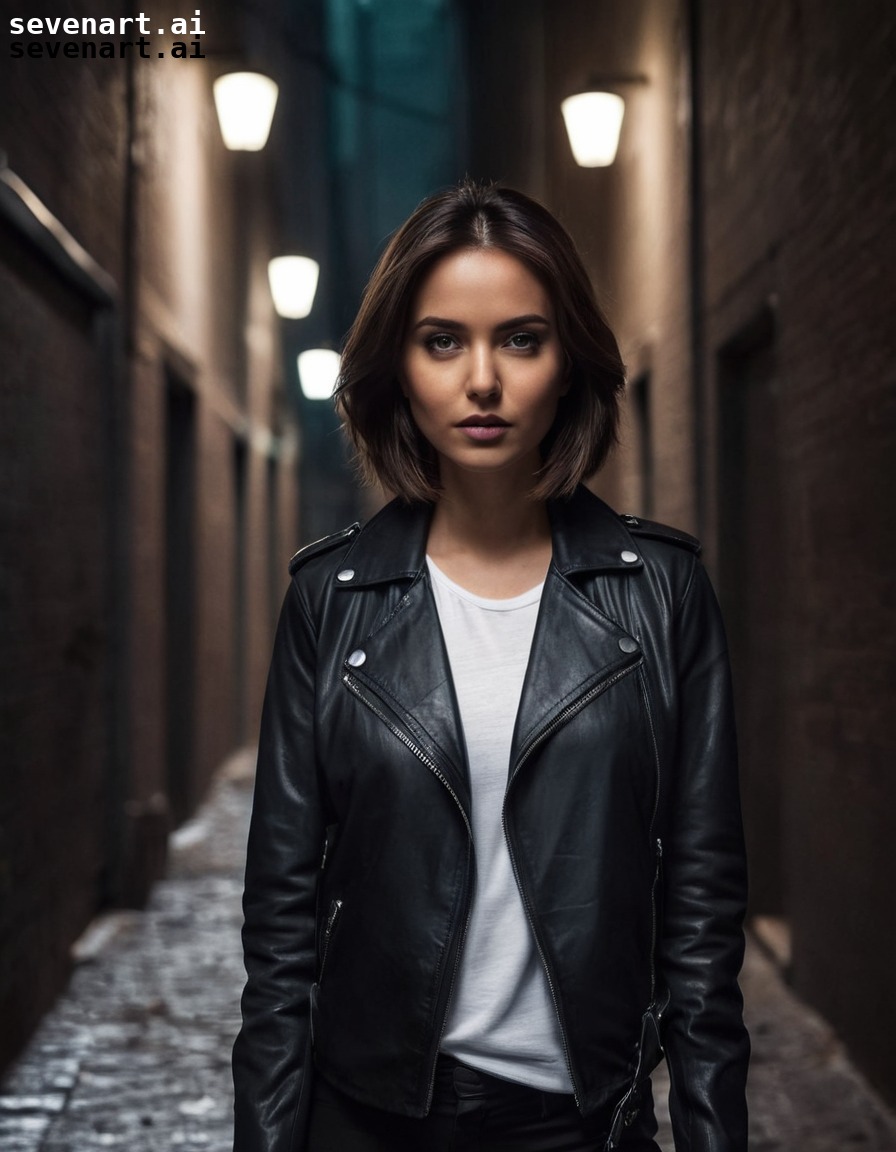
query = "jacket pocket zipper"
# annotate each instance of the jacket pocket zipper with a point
(656, 753)
(654, 913)
(332, 917)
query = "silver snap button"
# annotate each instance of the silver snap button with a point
(631, 521)
(629, 557)
(345, 575)
(357, 658)
(627, 644)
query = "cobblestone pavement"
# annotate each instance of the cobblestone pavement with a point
(136, 1054)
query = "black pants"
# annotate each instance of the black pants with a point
(471, 1112)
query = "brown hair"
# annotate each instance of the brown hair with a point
(390, 448)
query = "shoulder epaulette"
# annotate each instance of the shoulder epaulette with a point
(640, 527)
(323, 545)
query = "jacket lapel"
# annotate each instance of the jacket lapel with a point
(407, 667)
(406, 662)
(576, 648)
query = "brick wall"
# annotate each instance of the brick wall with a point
(64, 134)
(770, 423)
(53, 736)
(799, 169)
(127, 674)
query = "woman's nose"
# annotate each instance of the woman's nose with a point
(483, 380)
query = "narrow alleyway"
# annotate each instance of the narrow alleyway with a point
(136, 1054)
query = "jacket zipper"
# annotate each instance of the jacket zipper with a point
(656, 751)
(544, 964)
(620, 1117)
(567, 713)
(658, 842)
(457, 957)
(353, 686)
(653, 912)
(332, 917)
(560, 719)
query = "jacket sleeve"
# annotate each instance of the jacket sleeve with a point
(701, 944)
(271, 1056)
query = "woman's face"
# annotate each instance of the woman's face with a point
(482, 365)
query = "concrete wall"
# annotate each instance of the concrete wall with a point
(630, 221)
(148, 483)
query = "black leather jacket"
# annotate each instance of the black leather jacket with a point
(622, 817)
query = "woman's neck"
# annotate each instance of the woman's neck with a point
(489, 536)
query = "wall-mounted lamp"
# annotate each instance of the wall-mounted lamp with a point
(593, 121)
(245, 103)
(318, 372)
(293, 281)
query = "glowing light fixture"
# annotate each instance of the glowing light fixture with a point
(318, 372)
(293, 281)
(593, 121)
(245, 102)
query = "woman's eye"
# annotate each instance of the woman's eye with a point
(441, 342)
(524, 341)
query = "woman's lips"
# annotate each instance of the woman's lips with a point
(484, 432)
(483, 429)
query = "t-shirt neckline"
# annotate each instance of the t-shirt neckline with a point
(505, 604)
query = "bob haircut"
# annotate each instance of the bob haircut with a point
(368, 396)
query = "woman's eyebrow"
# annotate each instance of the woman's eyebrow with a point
(455, 325)
(438, 322)
(529, 318)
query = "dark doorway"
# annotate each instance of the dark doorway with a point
(639, 407)
(752, 553)
(180, 615)
(275, 578)
(240, 621)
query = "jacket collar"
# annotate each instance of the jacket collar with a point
(576, 647)
(586, 534)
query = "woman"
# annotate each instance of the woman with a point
(495, 866)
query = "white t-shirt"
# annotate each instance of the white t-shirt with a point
(501, 1018)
